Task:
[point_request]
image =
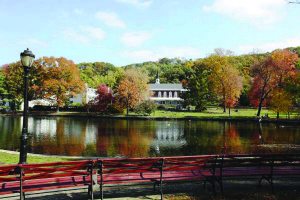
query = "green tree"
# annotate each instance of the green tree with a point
(98, 73)
(199, 93)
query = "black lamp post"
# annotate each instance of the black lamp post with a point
(27, 58)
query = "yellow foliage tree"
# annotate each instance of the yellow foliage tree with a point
(227, 83)
(281, 101)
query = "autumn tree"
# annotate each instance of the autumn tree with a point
(292, 86)
(133, 88)
(280, 101)
(3, 91)
(13, 82)
(225, 78)
(104, 98)
(271, 73)
(61, 80)
(234, 86)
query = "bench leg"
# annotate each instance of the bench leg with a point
(161, 191)
(212, 181)
(101, 191)
(156, 183)
(269, 179)
(22, 195)
(220, 182)
(91, 192)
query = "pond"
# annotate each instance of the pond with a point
(142, 138)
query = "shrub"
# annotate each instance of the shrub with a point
(161, 107)
(145, 108)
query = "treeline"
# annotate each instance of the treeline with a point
(220, 79)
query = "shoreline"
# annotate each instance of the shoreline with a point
(139, 117)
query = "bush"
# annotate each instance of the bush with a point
(145, 108)
(161, 107)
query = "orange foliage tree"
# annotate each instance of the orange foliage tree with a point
(133, 88)
(61, 80)
(13, 78)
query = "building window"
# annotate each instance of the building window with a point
(175, 94)
(170, 94)
(159, 94)
(165, 94)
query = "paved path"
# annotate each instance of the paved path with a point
(234, 190)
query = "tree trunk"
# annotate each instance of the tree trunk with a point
(259, 107)
(277, 117)
(127, 107)
(57, 109)
(229, 111)
(224, 104)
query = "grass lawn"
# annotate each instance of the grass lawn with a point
(13, 158)
(216, 112)
(210, 113)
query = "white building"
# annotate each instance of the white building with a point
(88, 95)
(168, 94)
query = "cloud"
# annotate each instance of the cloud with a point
(84, 35)
(110, 19)
(161, 52)
(134, 39)
(270, 46)
(257, 12)
(94, 32)
(75, 36)
(137, 3)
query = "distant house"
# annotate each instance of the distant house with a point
(88, 95)
(166, 93)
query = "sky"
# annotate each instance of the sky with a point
(131, 31)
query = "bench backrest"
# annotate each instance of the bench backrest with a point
(220, 162)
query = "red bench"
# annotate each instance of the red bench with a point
(264, 166)
(24, 178)
(150, 170)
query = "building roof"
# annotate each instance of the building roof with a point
(166, 86)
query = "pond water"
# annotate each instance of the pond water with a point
(143, 138)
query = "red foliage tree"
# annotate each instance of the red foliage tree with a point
(270, 74)
(104, 98)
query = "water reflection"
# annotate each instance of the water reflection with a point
(168, 134)
(139, 138)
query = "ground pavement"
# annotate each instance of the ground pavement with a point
(234, 190)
